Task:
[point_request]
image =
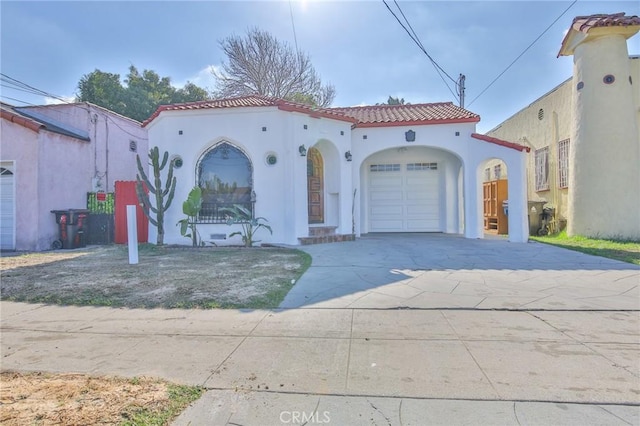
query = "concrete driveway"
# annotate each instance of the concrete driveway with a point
(499, 333)
(436, 271)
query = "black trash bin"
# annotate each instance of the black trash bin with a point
(70, 228)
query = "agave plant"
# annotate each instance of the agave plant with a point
(238, 214)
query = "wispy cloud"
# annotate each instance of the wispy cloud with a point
(60, 100)
(203, 78)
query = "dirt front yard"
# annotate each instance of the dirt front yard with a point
(78, 399)
(168, 277)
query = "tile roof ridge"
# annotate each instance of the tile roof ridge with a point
(401, 106)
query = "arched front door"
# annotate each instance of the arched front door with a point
(315, 186)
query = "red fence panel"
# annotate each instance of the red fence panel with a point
(126, 195)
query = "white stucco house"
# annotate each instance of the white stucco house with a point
(50, 157)
(323, 173)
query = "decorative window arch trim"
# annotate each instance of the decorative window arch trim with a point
(230, 187)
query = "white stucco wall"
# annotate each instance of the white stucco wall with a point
(281, 189)
(457, 153)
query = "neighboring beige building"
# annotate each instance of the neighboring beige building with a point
(594, 188)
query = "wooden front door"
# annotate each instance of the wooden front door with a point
(315, 186)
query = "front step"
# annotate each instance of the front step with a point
(321, 231)
(322, 239)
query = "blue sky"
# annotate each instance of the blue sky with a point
(356, 45)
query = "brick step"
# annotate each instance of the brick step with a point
(322, 239)
(320, 231)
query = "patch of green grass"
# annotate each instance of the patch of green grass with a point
(179, 398)
(625, 251)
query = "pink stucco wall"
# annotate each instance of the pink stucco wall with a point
(111, 159)
(54, 171)
(20, 145)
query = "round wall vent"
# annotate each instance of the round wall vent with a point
(580, 85)
(540, 114)
(177, 161)
(608, 79)
(271, 159)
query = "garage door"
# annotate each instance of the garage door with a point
(404, 197)
(7, 209)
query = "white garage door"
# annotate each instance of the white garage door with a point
(404, 197)
(7, 209)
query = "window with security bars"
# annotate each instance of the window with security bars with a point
(384, 168)
(542, 168)
(497, 171)
(563, 163)
(421, 166)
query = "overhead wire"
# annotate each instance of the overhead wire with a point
(524, 51)
(293, 26)
(22, 86)
(18, 100)
(417, 41)
(30, 89)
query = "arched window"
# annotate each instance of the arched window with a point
(225, 175)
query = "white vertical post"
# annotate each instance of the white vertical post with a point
(132, 233)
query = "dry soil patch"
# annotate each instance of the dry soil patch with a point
(169, 277)
(78, 399)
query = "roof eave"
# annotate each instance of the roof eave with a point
(22, 121)
(500, 142)
(574, 38)
(418, 122)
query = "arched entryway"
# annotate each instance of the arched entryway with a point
(495, 197)
(315, 186)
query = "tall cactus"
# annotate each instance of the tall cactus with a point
(156, 189)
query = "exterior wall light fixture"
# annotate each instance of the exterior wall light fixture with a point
(348, 156)
(302, 150)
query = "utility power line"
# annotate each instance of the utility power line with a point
(524, 51)
(412, 34)
(16, 84)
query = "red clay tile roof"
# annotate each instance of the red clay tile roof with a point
(501, 142)
(408, 115)
(365, 116)
(250, 101)
(583, 24)
(29, 123)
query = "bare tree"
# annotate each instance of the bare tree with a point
(260, 64)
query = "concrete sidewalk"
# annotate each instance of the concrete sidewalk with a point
(393, 329)
(350, 360)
